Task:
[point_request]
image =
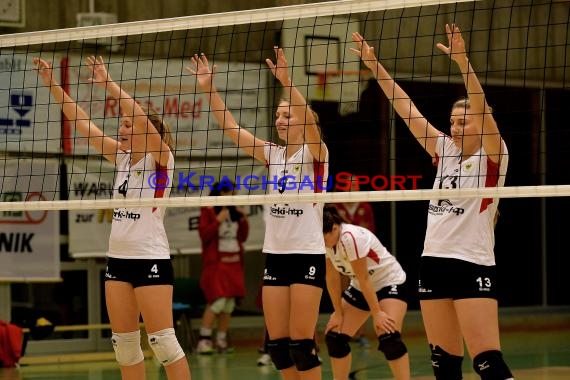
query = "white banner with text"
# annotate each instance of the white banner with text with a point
(29, 240)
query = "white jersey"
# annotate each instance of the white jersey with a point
(228, 236)
(294, 227)
(138, 233)
(464, 228)
(357, 242)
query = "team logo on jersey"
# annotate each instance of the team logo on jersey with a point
(445, 207)
(122, 213)
(284, 210)
(297, 168)
(138, 173)
(468, 166)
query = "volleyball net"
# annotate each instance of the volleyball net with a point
(518, 49)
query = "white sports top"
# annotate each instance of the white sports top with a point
(464, 228)
(356, 242)
(294, 227)
(228, 236)
(138, 233)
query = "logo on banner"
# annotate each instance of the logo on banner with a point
(19, 242)
(21, 103)
(19, 216)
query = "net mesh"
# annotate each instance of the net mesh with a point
(518, 49)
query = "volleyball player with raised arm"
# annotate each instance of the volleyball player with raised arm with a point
(377, 288)
(294, 274)
(457, 289)
(139, 274)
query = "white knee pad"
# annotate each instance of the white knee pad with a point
(223, 305)
(127, 348)
(230, 305)
(165, 346)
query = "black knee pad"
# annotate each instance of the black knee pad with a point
(445, 366)
(278, 349)
(491, 366)
(304, 354)
(392, 345)
(337, 344)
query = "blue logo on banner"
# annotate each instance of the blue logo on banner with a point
(22, 104)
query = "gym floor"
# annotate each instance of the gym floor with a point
(540, 354)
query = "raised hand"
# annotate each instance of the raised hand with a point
(456, 48)
(99, 74)
(45, 71)
(200, 67)
(280, 69)
(223, 215)
(241, 210)
(364, 51)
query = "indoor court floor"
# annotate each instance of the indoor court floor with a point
(532, 355)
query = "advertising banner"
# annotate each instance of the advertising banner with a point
(29, 240)
(29, 120)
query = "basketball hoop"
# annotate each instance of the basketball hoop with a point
(329, 77)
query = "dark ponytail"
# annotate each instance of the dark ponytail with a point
(330, 218)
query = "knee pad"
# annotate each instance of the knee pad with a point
(304, 354)
(218, 305)
(278, 349)
(337, 344)
(223, 305)
(445, 366)
(392, 346)
(165, 346)
(230, 305)
(127, 348)
(491, 366)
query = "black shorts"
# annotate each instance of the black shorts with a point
(456, 279)
(294, 268)
(140, 272)
(355, 297)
